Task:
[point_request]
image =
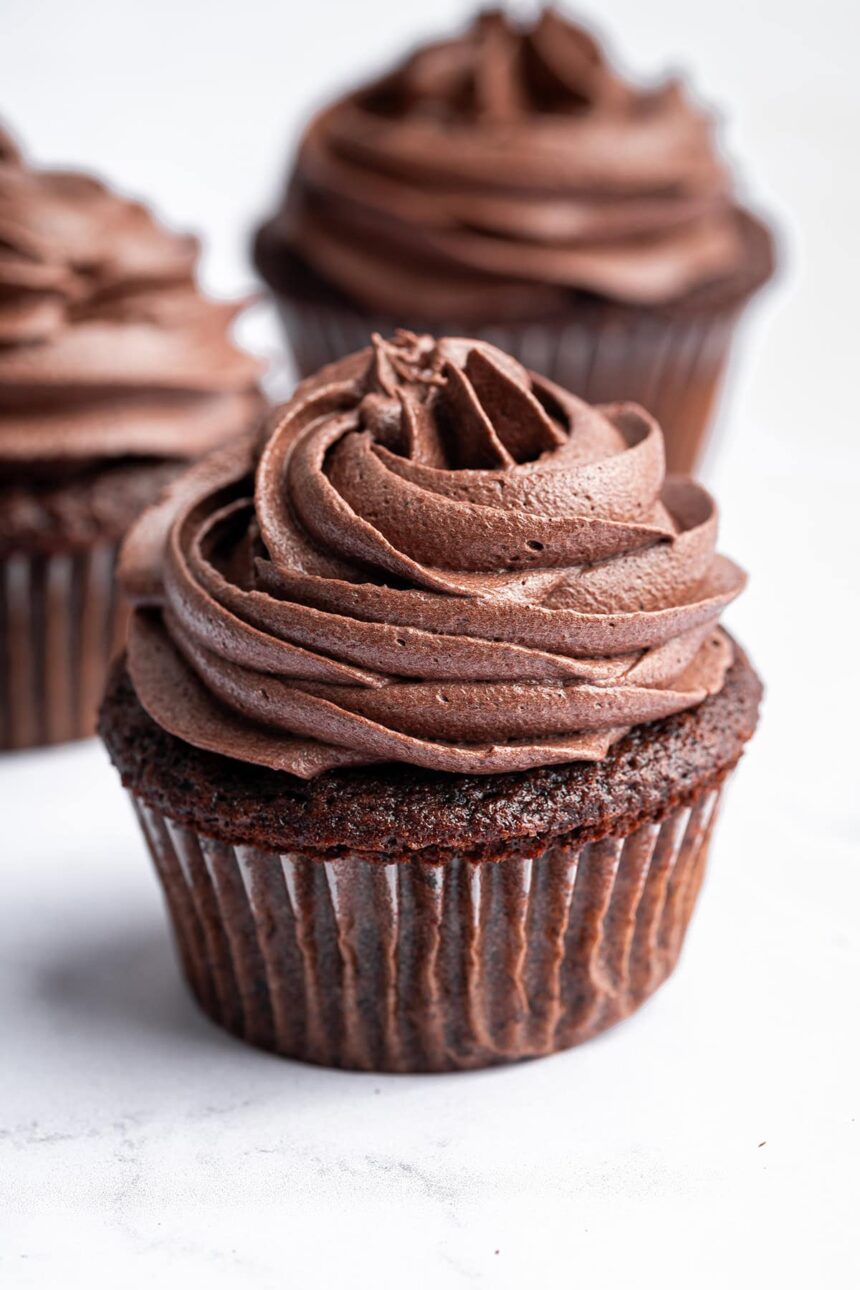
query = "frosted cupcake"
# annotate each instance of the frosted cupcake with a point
(508, 184)
(115, 372)
(427, 711)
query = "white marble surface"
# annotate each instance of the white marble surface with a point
(712, 1139)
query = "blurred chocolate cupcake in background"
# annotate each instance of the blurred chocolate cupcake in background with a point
(508, 184)
(115, 371)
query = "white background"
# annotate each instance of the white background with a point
(712, 1140)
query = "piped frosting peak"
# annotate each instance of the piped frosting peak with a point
(433, 557)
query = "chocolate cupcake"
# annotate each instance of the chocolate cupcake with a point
(507, 184)
(114, 373)
(426, 712)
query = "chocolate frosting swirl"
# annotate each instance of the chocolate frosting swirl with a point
(434, 557)
(107, 348)
(499, 171)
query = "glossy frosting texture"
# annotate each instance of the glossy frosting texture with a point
(107, 348)
(503, 169)
(433, 557)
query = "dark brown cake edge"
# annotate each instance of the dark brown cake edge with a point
(397, 812)
(47, 514)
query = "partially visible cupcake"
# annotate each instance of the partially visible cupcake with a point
(509, 185)
(114, 372)
(426, 712)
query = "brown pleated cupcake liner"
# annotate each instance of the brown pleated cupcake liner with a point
(62, 622)
(672, 364)
(413, 965)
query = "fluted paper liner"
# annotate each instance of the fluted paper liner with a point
(672, 365)
(413, 965)
(61, 623)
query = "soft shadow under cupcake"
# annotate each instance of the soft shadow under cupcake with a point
(122, 981)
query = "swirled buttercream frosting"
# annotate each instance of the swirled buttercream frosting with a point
(430, 556)
(108, 350)
(502, 170)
